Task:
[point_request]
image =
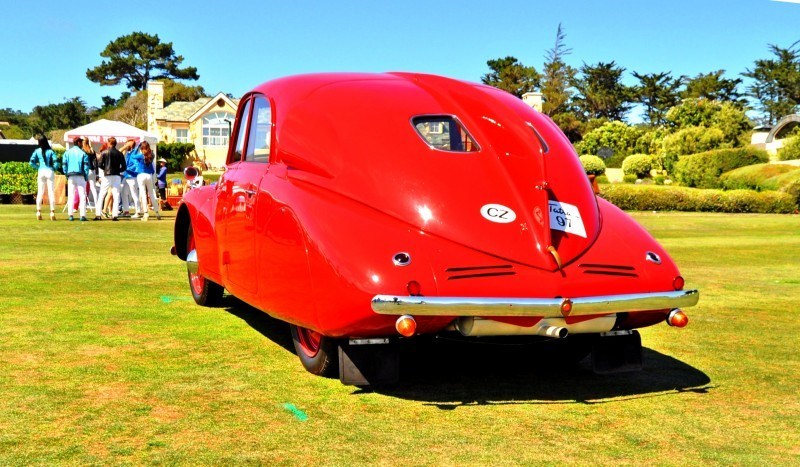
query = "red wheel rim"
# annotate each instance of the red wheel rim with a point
(309, 341)
(196, 281)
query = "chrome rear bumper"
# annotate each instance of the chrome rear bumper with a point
(543, 307)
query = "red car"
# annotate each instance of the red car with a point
(367, 208)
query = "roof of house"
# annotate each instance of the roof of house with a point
(183, 111)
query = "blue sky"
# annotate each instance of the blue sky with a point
(46, 46)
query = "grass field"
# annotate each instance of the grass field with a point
(104, 359)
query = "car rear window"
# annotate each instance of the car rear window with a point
(445, 133)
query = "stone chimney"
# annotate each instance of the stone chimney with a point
(533, 99)
(155, 102)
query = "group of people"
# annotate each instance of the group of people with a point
(123, 175)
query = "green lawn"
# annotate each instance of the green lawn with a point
(104, 359)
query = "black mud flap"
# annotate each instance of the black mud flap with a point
(365, 363)
(617, 352)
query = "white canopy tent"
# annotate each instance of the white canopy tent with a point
(98, 133)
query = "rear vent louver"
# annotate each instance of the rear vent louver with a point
(473, 272)
(609, 270)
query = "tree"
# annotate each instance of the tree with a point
(657, 92)
(133, 111)
(600, 92)
(713, 86)
(136, 59)
(556, 88)
(179, 92)
(776, 84)
(512, 76)
(69, 114)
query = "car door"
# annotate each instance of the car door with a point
(239, 210)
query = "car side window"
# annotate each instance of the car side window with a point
(260, 134)
(243, 119)
(445, 133)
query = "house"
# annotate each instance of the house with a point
(205, 122)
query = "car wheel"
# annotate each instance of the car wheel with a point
(317, 353)
(204, 291)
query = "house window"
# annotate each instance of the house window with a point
(182, 135)
(217, 128)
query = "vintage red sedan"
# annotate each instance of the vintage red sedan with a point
(367, 208)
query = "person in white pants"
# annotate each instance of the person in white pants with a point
(45, 161)
(113, 164)
(92, 178)
(76, 168)
(145, 162)
(129, 189)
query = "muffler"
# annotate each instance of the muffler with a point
(548, 327)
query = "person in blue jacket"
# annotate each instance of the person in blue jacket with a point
(46, 162)
(76, 168)
(144, 162)
(129, 188)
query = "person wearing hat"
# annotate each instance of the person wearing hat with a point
(162, 179)
(76, 168)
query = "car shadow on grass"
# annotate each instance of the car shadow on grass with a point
(451, 375)
(273, 329)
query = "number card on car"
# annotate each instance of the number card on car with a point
(567, 218)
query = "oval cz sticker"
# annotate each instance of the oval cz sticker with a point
(498, 213)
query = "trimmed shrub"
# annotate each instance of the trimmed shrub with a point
(629, 179)
(690, 140)
(638, 165)
(615, 135)
(704, 169)
(670, 198)
(793, 190)
(754, 177)
(601, 179)
(593, 165)
(790, 150)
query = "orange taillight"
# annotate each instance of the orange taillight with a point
(677, 318)
(566, 307)
(406, 325)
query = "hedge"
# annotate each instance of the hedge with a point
(756, 177)
(17, 177)
(672, 198)
(703, 170)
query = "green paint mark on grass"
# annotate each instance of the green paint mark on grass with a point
(169, 299)
(298, 414)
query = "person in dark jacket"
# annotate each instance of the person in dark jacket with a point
(76, 168)
(113, 164)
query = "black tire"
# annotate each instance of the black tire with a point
(319, 354)
(204, 291)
